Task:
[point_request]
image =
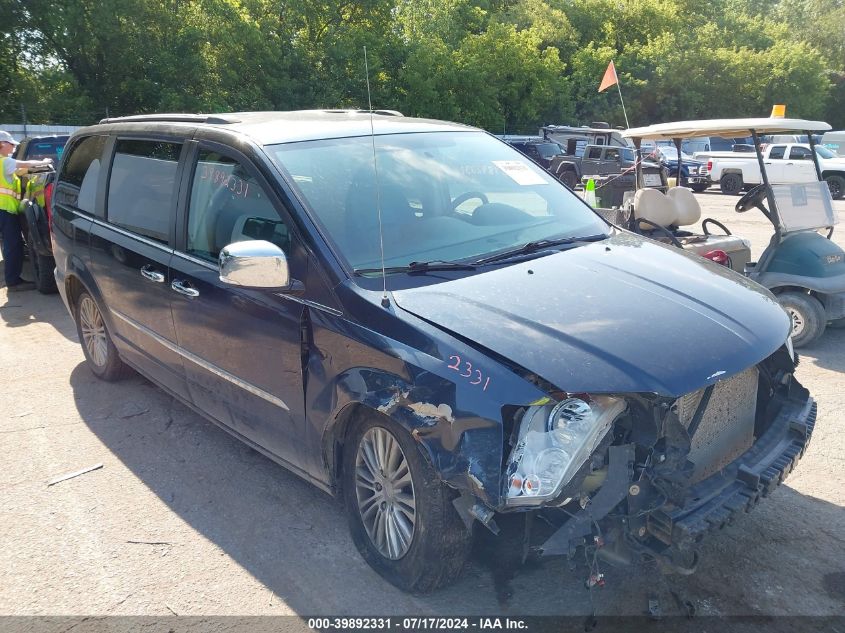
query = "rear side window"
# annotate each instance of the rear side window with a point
(777, 151)
(81, 170)
(594, 152)
(142, 187)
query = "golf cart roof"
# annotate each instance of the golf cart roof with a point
(724, 127)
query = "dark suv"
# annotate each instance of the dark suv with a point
(431, 326)
(538, 149)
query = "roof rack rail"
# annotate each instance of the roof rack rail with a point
(362, 111)
(174, 118)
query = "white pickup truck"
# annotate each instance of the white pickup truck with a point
(785, 163)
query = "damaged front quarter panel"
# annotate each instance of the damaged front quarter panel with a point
(441, 402)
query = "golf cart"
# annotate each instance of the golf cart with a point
(804, 269)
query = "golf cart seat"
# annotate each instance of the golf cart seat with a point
(687, 209)
(659, 216)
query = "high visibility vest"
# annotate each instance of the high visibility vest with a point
(10, 190)
(35, 189)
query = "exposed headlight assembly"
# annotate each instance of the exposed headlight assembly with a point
(554, 441)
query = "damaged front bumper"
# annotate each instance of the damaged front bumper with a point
(634, 517)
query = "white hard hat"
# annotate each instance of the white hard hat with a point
(5, 137)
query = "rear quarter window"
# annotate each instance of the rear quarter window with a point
(80, 173)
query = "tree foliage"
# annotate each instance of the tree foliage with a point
(500, 64)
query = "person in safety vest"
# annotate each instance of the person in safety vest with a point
(10, 203)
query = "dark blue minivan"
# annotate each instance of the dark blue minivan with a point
(415, 317)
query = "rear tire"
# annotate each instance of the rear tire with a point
(698, 188)
(731, 184)
(42, 269)
(397, 492)
(100, 353)
(807, 316)
(836, 184)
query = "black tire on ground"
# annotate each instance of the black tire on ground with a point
(100, 353)
(42, 270)
(836, 184)
(698, 188)
(731, 184)
(807, 316)
(440, 542)
(569, 178)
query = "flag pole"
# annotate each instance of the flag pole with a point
(623, 102)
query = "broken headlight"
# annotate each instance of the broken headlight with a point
(554, 441)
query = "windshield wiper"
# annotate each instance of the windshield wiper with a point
(419, 267)
(538, 245)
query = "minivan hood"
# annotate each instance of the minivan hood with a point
(622, 315)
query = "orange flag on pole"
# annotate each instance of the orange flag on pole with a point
(609, 77)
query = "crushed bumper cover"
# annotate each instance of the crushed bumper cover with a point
(710, 504)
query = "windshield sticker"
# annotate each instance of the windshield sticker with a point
(520, 172)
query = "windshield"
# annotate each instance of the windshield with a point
(824, 152)
(443, 196)
(549, 150)
(671, 153)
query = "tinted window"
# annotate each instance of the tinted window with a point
(800, 153)
(229, 205)
(81, 170)
(777, 151)
(612, 154)
(594, 152)
(142, 187)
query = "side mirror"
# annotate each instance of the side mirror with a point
(255, 264)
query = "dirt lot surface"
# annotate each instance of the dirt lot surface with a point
(182, 518)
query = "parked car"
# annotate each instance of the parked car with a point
(536, 148)
(693, 172)
(429, 325)
(786, 163)
(36, 212)
(835, 142)
(604, 160)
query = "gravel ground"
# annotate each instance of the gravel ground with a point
(181, 518)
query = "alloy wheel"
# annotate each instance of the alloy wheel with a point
(93, 331)
(385, 492)
(797, 321)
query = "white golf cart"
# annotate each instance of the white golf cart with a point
(805, 269)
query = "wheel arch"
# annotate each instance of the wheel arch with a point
(466, 453)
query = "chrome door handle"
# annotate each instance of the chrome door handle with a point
(180, 287)
(148, 273)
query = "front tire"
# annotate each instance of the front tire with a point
(836, 184)
(807, 316)
(698, 188)
(731, 184)
(400, 515)
(100, 352)
(569, 178)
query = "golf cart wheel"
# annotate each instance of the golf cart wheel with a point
(836, 184)
(100, 352)
(400, 515)
(807, 316)
(731, 184)
(42, 270)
